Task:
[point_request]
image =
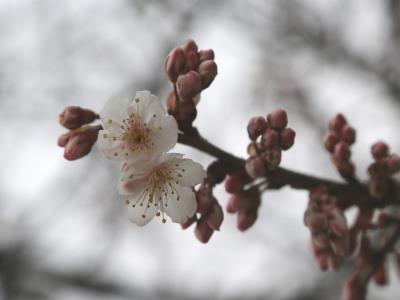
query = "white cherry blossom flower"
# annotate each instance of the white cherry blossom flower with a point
(136, 129)
(162, 185)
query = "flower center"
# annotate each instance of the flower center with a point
(137, 135)
(160, 188)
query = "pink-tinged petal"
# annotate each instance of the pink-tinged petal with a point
(133, 178)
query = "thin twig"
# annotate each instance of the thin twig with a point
(349, 193)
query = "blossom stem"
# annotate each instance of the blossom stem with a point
(349, 193)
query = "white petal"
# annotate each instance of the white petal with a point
(187, 172)
(146, 106)
(113, 113)
(134, 176)
(165, 133)
(140, 210)
(113, 150)
(181, 210)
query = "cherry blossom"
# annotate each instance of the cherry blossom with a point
(162, 185)
(136, 129)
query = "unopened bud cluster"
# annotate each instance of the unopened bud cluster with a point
(191, 71)
(338, 141)
(80, 139)
(329, 231)
(269, 137)
(369, 263)
(244, 203)
(211, 213)
(382, 169)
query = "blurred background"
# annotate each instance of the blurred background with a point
(64, 233)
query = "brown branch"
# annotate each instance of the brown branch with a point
(351, 193)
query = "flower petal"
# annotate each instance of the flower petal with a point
(165, 133)
(187, 172)
(113, 113)
(111, 149)
(141, 208)
(149, 107)
(134, 176)
(182, 208)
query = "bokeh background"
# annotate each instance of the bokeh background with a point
(64, 233)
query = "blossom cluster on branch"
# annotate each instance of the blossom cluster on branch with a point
(138, 133)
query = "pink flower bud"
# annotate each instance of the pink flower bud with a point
(340, 246)
(379, 150)
(354, 289)
(270, 138)
(183, 112)
(330, 141)
(192, 61)
(252, 149)
(203, 232)
(208, 70)
(380, 276)
(206, 55)
(79, 142)
(215, 217)
(338, 223)
(235, 183)
(277, 119)
(335, 261)
(314, 221)
(378, 169)
(188, 86)
(345, 168)
(321, 240)
(230, 207)
(256, 127)
(189, 222)
(174, 63)
(74, 117)
(273, 157)
(393, 163)
(245, 201)
(322, 260)
(348, 134)
(63, 139)
(189, 45)
(287, 138)
(245, 220)
(255, 167)
(337, 123)
(342, 152)
(205, 199)
(321, 255)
